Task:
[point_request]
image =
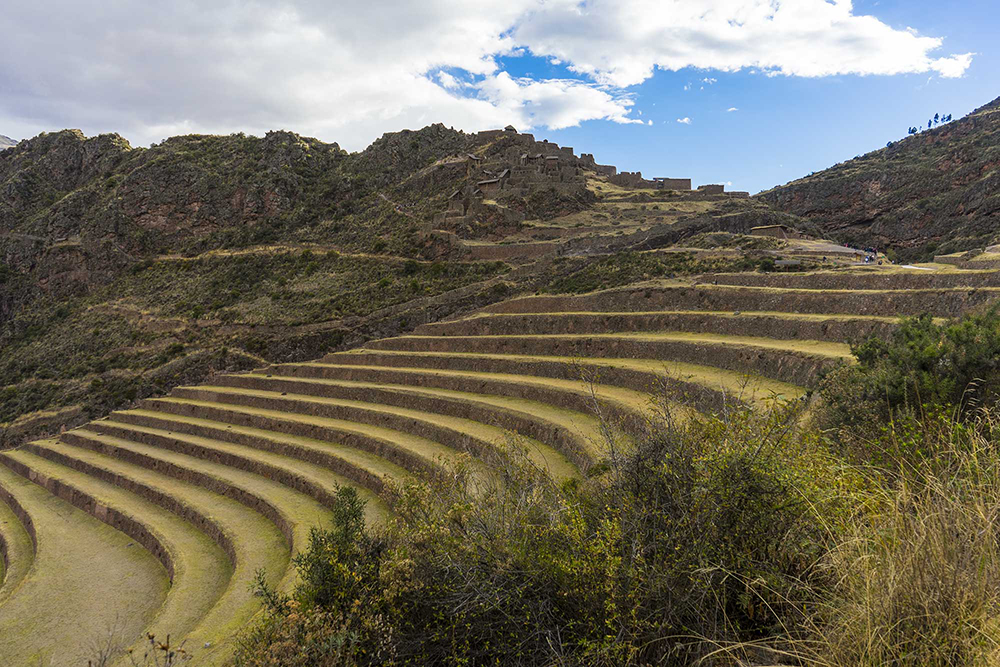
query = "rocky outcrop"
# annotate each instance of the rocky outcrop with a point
(933, 193)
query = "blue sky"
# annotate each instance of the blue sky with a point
(812, 82)
(788, 126)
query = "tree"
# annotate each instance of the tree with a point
(936, 118)
(928, 125)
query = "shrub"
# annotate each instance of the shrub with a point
(924, 363)
(700, 536)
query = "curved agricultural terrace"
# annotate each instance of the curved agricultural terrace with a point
(155, 519)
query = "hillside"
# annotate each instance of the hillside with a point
(126, 271)
(935, 192)
(6, 142)
(224, 359)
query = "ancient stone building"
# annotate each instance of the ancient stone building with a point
(672, 183)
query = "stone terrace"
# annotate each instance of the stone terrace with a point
(177, 501)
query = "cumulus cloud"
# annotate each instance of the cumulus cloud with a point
(731, 109)
(350, 70)
(684, 121)
(621, 42)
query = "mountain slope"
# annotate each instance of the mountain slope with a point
(935, 192)
(127, 271)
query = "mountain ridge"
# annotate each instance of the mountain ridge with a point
(932, 193)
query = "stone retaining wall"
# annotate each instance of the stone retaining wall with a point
(84, 440)
(761, 326)
(580, 370)
(561, 438)
(29, 527)
(941, 303)
(783, 365)
(383, 448)
(108, 515)
(287, 478)
(856, 280)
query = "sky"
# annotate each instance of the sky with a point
(750, 93)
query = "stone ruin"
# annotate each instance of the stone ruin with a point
(525, 166)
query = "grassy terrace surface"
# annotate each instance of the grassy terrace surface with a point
(85, 579)
(219, 480)
(522, 414)
(251, 540)
(459, 433)
(644, 375)
(415, 453)
(17, 550)
(301, 455)
(297, 489)
(580, 393)
(810, 347)
(819, 326)
(661, 295)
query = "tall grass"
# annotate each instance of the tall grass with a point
(917, 569)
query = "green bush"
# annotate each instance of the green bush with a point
(699, 537)
(924, 363)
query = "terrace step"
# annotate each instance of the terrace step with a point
(294, 503)
(457, 433)
(570, 432)
(705, 386)
(836, 328)
(17, 546)
(795, 362)
(411, 452)
(886, 303)
(251, 539)
(91, 571)
(577, 395)
(300, 463)
(855, 279)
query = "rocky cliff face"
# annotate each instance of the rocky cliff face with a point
(935, 192)
(75, 210)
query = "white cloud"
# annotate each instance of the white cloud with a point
(447, 80)
(709, 81)
(731, 109)
(684, 121)
(621, 42)
(649, 122)
(349, 70)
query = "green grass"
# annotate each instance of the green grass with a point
(20, 551)
(296, 450)
(630, 399)
(257, 543)
(86, 579)
(810, 347)
(585, 427)
(545, 456)
(422, 448)
(297, 508)
(707, 376)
